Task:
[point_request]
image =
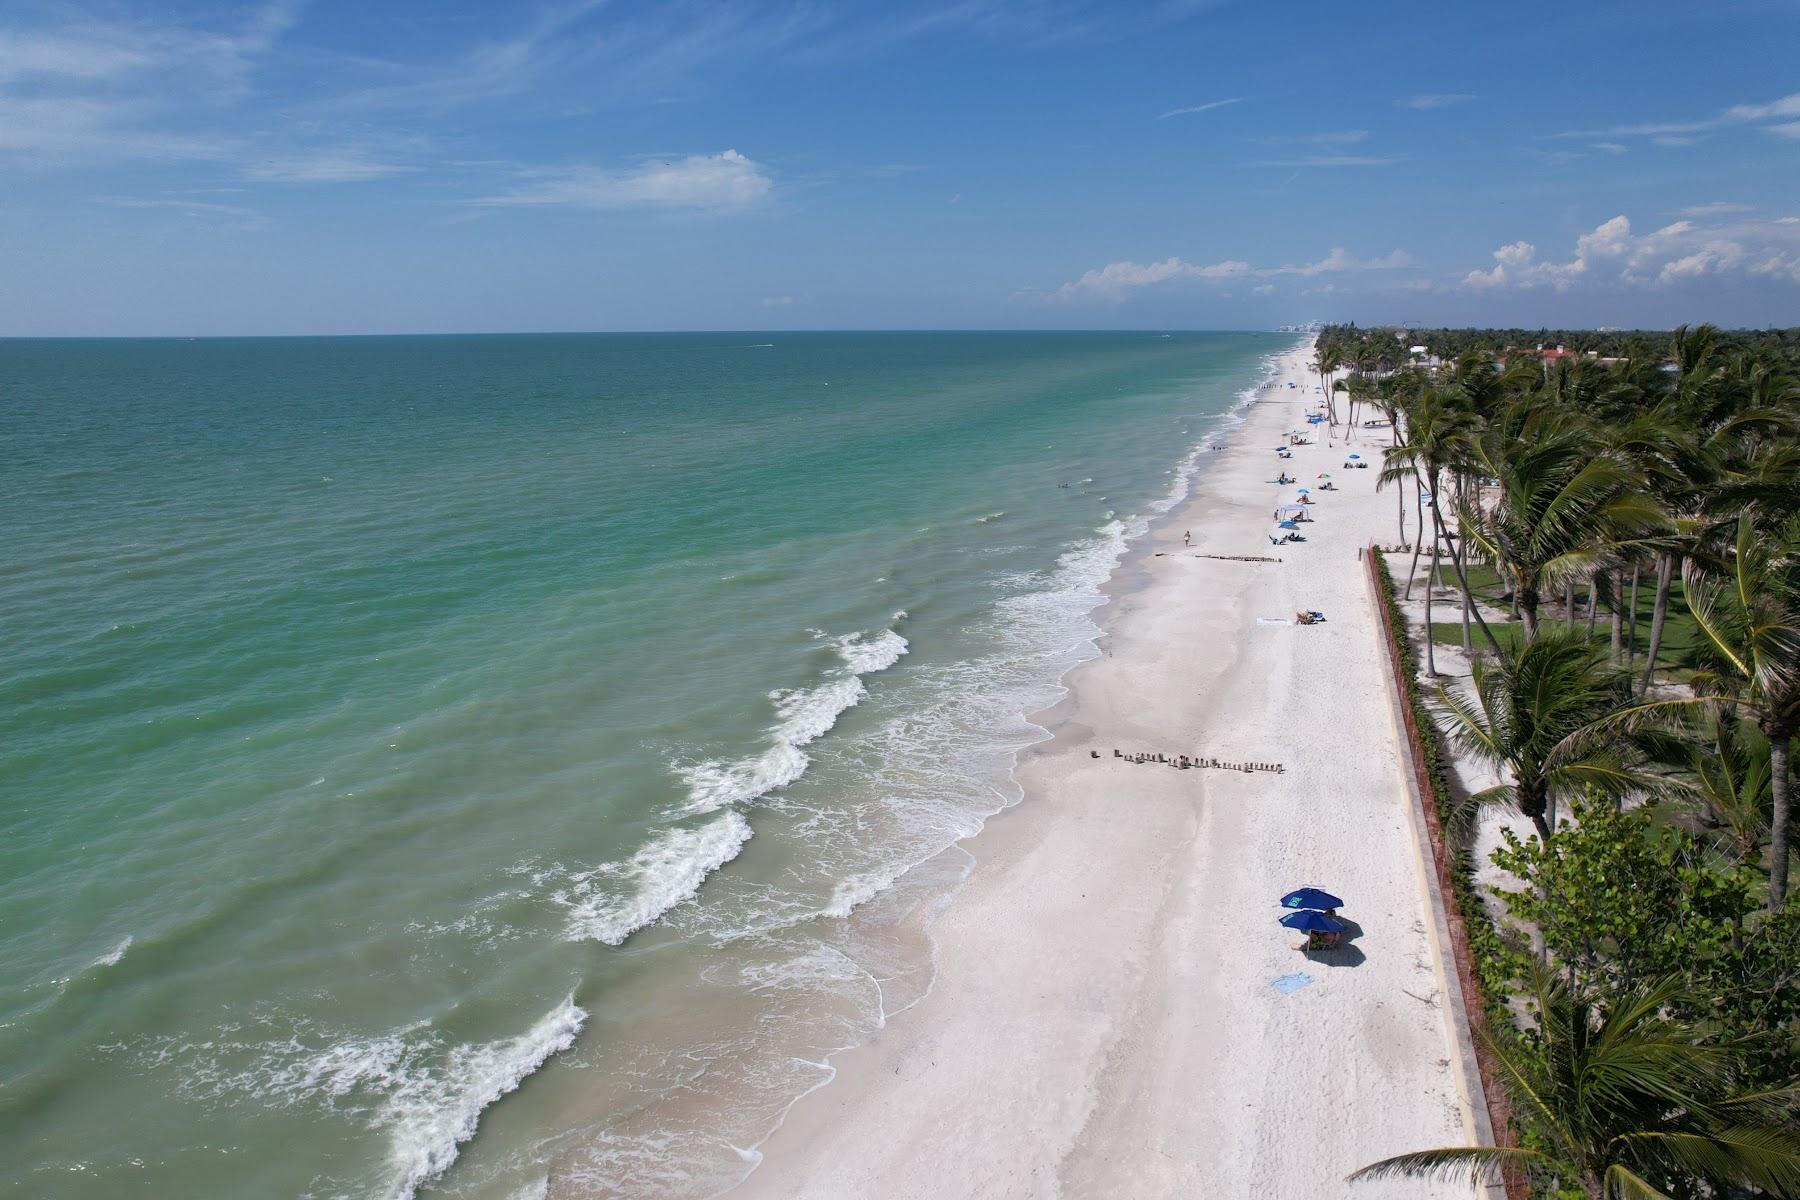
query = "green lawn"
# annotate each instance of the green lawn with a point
(1679, 631)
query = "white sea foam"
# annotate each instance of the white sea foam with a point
(803, 716)
(111, 957)
(609, 903)
(433, 1113)
(426, 1093)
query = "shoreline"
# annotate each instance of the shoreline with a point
(1076, 1015)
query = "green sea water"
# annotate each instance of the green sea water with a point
(510, 766)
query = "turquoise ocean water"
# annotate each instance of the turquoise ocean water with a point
(511, 766)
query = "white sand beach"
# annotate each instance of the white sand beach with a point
(1105, 1020)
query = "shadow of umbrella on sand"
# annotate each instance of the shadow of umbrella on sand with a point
(1310, 920)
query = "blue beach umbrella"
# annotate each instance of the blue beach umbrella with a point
(1310, 897)
(1290, 525)
(1356, 456)
(1312, 922)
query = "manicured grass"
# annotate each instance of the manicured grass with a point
(1679, 630)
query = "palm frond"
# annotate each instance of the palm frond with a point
(1471, 1164)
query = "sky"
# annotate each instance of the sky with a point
(321, 167)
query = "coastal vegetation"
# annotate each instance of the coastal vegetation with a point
(1621, 516)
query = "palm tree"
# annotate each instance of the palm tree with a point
(1725, 772)
(1658, 445)
(1626, 1103)
(1388, 401)
(1330, 359)
(1434, 429)
(1706, 399)
(1565, 506)
(1747, 610)
(1536, 714)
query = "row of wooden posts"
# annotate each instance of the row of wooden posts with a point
(1184, 762)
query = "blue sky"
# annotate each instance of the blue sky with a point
(325, 167)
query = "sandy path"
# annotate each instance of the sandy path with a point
(1104, 1022)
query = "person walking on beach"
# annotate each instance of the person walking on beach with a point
(1187, 538)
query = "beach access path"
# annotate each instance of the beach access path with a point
(1117, 1012)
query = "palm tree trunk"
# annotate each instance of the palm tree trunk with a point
(1526, 601)
(1593, 602)
(1400, 496)
(1569, 602)
(1462, 577)
(1631, 627)
(1619, 617)
(1468, 646)
(1430, 638)
(1543, 828)
(1778, 822)
(1419, 547)
(1664, 567)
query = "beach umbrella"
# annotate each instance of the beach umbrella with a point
(1289, 525)
(1303, 491)
(1312, 921)
(1356, 456)
(1324, 474)
(1310, 897)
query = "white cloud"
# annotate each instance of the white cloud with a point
(1787, 106)
(1787, 129)
(1675, 133)
(90, 91)
(699, 182)
(321, 168)
(1713, 208)
(1115, 280)
(1330, 160)
(1609, 147)
(63, 130)
(1612, 255)
(58, 56)
(223, 215)
(1778, 265)
(1610, 239)
(1430, 100)
(1339, 137)
(1340, 260)
(1198, 108)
